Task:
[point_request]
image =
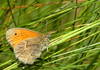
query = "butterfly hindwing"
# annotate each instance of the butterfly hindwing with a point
(28, 50)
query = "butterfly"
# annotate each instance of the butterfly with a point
(27, 44)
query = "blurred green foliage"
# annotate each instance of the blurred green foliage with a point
(74, 43)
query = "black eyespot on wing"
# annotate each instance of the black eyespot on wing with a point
(15, 34)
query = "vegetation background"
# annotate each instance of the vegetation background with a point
(75, 39)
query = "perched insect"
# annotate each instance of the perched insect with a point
(27, 44)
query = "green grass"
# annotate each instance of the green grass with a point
(74, 43)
